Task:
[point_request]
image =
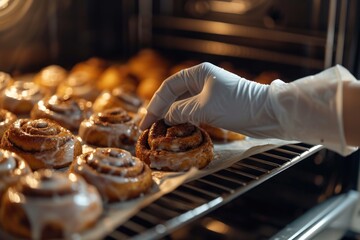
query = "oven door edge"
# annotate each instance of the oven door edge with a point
(328, 220)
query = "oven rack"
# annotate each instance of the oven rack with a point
(198, 197)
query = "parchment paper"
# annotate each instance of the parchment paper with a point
(226, 154)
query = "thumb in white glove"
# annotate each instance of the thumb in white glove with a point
(308, 109)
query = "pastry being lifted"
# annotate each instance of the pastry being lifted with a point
(175, 148)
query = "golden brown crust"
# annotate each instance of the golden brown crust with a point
(50, 77)
(47, 206)
(110, 128)
(118, 98)
(68, 112)
(176, 148)
(6, 119)
(117, 175)
(20, 97)
(221, 134)
(42, 143)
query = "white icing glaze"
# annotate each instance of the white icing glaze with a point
(72, 211)
(11, 167)
(51, 157)
(112, 131)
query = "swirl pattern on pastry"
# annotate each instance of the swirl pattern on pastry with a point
(110, 128)
(6, 119)
(21, 96)
(68, 112)
(12, 167)
(115, 172)
(118, 98)
(175, 148)
(49, 205)
(42, 143)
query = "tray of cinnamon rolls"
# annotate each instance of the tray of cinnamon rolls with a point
(73, 161)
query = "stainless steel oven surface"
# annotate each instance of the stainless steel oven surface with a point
(296, 191)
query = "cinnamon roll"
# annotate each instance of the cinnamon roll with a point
(110, 128)
(6, 119)
(175, 148)
(50, 77)
(12, 167)
(49, 205)
(79, 85)
(118, 97)
(20, 97)
(67, 111)
(42, 143)
(117, 175)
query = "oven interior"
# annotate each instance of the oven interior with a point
(292, 192)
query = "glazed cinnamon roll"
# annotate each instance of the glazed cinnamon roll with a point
(50, 77)
(117, 175)
(175, 148)
(20, 97)
(67, 111)
(49, 205)
(6, 119)
(79, 85)
(111, 128)
(42, 143)
(118, 98)
(12, 167)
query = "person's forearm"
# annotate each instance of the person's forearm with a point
(351, 112)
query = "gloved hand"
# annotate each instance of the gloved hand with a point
(307, 110)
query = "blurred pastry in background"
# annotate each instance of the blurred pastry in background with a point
(118, 97)
(5, 80)
(228, 66)
(267, 77)
(183, 65)
(149, 85)
(148, 63)
(92, 68)
(21, 96)
(118, 76)
(6, 119)
(79, 85)
(50, 77)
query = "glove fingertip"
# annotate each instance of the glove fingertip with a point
(147, 121)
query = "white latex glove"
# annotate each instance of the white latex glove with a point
(308, 110)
